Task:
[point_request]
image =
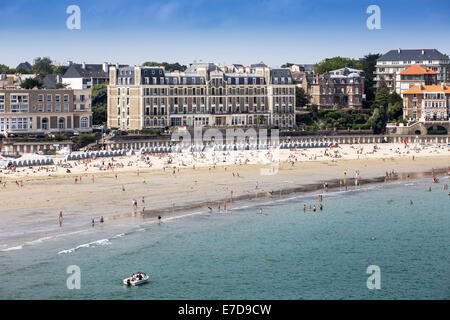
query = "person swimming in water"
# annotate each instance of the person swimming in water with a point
(159, 219)
(314, 208)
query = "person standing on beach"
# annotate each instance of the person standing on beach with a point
(304, 207)
(159, 220)
(60, 218)
(260, 211)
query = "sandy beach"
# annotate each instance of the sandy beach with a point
(164, 183)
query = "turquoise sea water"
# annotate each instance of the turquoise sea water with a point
(283, 254)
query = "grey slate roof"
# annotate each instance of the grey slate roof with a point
(91, 71)
(25, 65)
(412, 54)
(258, 65)
(50, 81)
(280, 73)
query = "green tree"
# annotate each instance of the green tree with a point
(300, 97)
(30, 83)
(83, 140)
(7, 70)
(60, 85)
(395, 112)
(395, 98)
(336, 63)
(368, 65)
(99, 103)
(60, 70)
(43, 66)
(382, 97)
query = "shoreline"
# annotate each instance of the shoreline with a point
(167, 184)
(171, 213)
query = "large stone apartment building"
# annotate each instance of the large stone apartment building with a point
(390, 66)
(205, 95)
(27, 111)
(337, 89)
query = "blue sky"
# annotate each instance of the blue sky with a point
(232, 31)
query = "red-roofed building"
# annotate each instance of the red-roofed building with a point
(427, 103)
(417, 76)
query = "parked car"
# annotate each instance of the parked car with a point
(68, 134)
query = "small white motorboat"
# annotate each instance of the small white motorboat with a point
(136, 280)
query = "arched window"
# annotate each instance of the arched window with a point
(155, 122)
(147, 122)
(44, 124)
(84, 122)
(61, 123)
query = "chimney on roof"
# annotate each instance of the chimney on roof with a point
(117, 65)
(399, 50)
(105, 67)
(83, 65)
(423, 52)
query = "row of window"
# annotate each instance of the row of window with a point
(333, 90)
(23, 98)
(214, 91)
(24, 108)
(16, 123)
(21, 123)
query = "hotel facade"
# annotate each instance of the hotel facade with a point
(204, 95)
(28, 111)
